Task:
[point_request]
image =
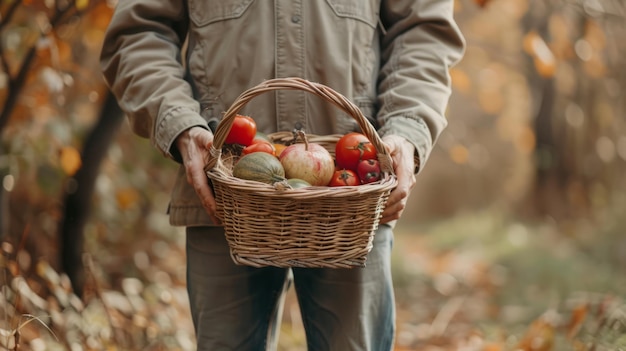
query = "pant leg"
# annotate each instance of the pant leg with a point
(233, 307)
(350, 309)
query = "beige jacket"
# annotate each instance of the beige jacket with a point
(391, 58)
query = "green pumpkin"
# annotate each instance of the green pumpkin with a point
(261, 167)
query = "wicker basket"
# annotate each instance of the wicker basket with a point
(316, 226)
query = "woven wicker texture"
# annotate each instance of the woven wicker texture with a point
(318, 226)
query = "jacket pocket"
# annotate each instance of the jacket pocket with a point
(362, 10)
(204, 12)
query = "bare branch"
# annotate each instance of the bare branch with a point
(6, 18)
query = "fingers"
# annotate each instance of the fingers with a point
(395, 205)
(400, 195)
(200, 183)
(403, 162)
(193, 145)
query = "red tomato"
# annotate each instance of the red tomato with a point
(369, 171)
(344, 177)
(242, 131)
(352, 148)
(259, 146)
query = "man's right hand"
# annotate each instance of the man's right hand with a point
(193, 145)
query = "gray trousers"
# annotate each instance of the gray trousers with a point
(239, 308)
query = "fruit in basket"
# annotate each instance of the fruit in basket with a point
(344, 177)
(279, 148)
(242, 131)
(308, 161)
(296, 183)
(260, 167)
(259, 146)
(352, 148)
(369, 171)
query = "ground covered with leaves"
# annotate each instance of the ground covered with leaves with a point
(479, 281)
(484, 281)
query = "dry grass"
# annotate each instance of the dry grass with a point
(475, 282)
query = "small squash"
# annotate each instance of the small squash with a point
(297, 183)
(261, 167)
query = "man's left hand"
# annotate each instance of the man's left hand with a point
(402, 154)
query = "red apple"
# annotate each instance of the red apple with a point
(309, 161)
(369, 171)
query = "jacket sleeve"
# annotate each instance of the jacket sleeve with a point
(419, 44)
(141, 62)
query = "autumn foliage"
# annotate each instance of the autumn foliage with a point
(512, 241)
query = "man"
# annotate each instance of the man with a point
(176, 65)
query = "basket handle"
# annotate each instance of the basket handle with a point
(294, 83)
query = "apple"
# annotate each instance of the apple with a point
(308, 161)
(369, 171)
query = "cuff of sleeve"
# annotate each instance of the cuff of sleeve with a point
(416, 132)
(416, 162)
(174, 122)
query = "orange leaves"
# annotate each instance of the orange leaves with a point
(494, 347)
(69, 160)
(539, 336)
(461, 80)
(589, 49)
(101, 14)
(126, 198)
(81, 4)
(459, 154)
(538, 49)
(579, 314)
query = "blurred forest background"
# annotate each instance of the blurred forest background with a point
(513, 240)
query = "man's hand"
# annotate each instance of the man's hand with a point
(193, 145)
(402, 152)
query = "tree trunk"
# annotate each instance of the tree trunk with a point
(79, 190)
